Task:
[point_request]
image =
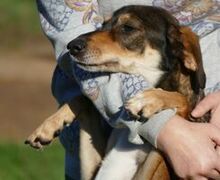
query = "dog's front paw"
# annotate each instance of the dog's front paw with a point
(51, 127)
(44, 134)
(143, 105)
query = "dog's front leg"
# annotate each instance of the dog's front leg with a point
(51, 127)
(92, 138)
(151, 101)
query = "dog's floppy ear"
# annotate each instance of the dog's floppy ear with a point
(184, 45)
(193, 58)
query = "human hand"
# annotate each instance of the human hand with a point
(210, 103)
(190, 148)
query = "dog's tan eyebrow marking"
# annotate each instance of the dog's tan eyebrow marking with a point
(123, 18)
(129, 19)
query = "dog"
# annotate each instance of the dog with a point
(141, 40)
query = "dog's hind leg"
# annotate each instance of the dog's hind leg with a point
(93, 139)
(153, 168)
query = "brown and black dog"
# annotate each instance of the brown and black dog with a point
(141, 40)
(147, 41)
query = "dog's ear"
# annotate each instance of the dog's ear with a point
(192, 57)
(191, 52)
(184, 45)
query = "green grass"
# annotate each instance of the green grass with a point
(18, 16)
(19, 21)
(19, 162)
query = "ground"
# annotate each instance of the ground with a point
(26, 99)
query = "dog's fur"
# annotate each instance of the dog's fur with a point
(140, 40)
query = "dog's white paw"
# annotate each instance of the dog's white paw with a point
(135, 104)
(143, 105)
(43, 135)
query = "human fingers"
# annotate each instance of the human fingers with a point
(213, 174)
(207, 104)
(180, 141)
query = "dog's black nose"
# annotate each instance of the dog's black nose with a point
(76, 46)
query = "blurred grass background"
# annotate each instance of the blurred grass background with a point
(26, 67)
(21, 163)
(18, 22)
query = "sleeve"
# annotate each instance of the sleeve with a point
(62, 21)
(152, 127)
(213, 89)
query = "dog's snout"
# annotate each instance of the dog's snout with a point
(76, 46)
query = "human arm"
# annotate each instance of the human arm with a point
(190, 148)
(185, 142)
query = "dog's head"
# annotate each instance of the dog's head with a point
(142, 40)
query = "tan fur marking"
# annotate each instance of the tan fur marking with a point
(190, 41)
(123, 18)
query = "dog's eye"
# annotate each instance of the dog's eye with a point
(127, 28)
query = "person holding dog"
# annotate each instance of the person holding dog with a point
(180, 140)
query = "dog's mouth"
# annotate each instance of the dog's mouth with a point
(101, 66)
(97, 64)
